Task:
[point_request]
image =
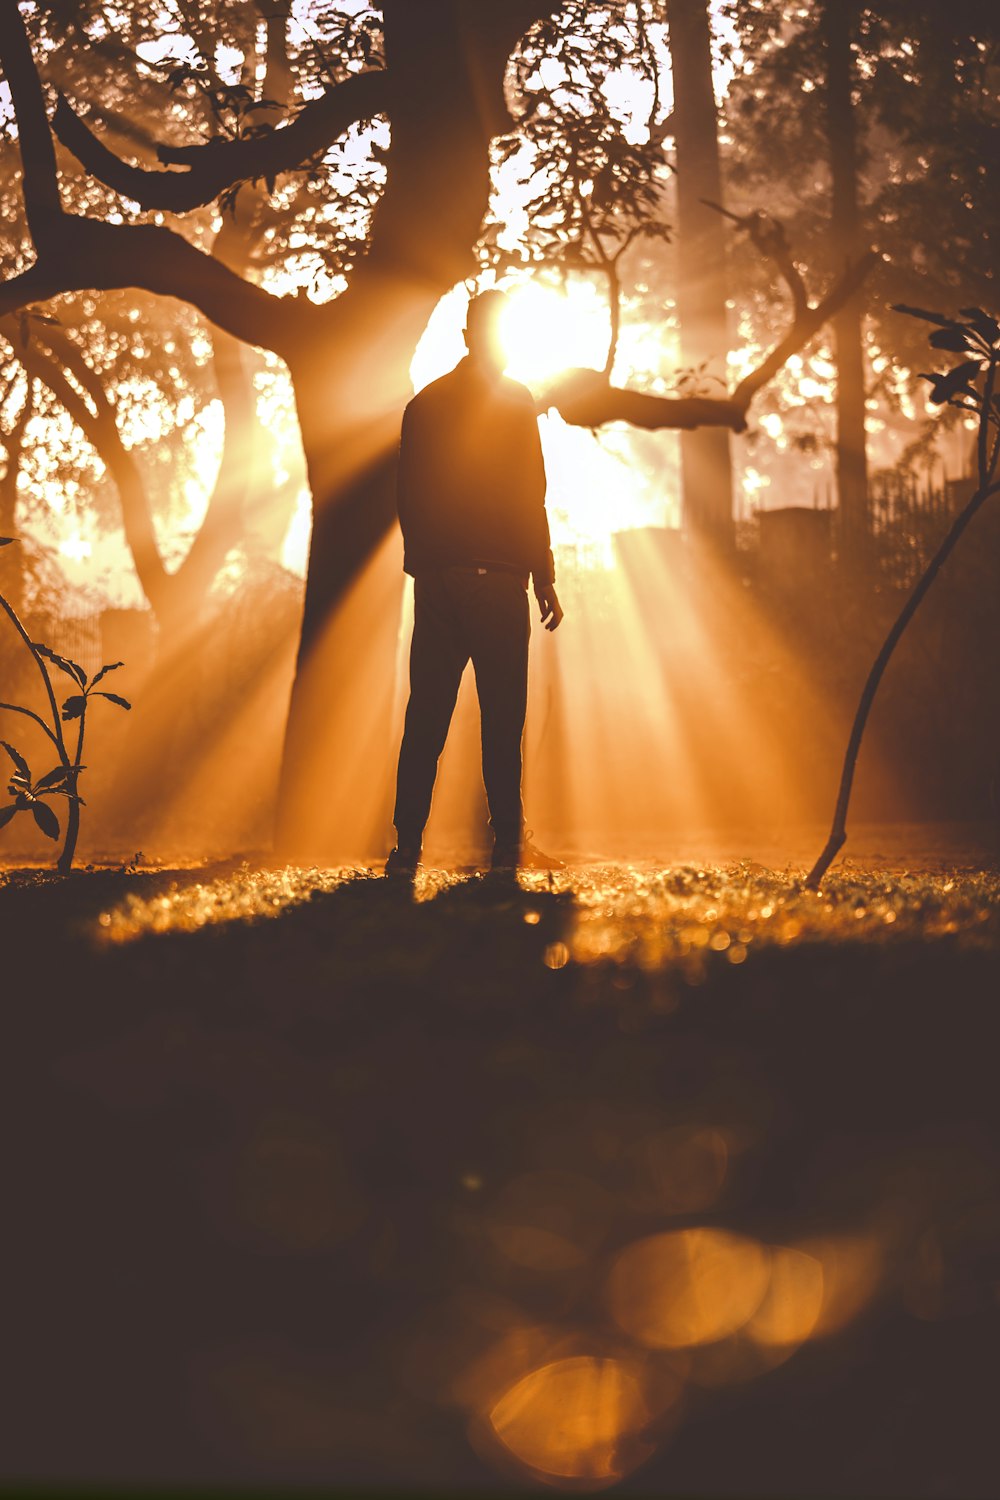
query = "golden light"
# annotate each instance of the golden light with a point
(852, 1272)
(688, 1287)
(791, 1309)
(546, 331)
(571, 1420)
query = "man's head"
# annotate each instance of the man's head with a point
(483, 333)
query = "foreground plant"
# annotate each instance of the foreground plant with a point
(972, 386)
(28, 794)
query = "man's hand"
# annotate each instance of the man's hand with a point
(548, 603)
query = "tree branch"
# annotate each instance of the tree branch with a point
(103, 257)
(768, 236)
(40, 183)
(804, 328)
(838, 830)
(224, 519)
(585, 398)
(217, 164)
(29, 713)
(101, 431)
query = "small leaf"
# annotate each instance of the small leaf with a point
(52, 779)
(114, 698)
(71, 668)
(954, 339)
(952, 382)
(928, 317)
(6, 813)
(46, 819)
(982, 323)
(111, 666)
(19, 761)
(5, 541)
(73, 707)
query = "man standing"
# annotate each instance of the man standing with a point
(471, 493)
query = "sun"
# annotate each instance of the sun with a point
(545, 330)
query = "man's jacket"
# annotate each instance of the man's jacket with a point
(471, 486)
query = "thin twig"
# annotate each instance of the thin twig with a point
(838, 830)
(39, 663)
(17, 708)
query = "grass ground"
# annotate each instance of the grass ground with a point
(679, 1179)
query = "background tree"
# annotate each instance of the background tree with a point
(918, 89)
(706, 468)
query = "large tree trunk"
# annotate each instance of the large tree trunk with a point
(706, 470)
(839, 18)
(350, 394)
(352, 381)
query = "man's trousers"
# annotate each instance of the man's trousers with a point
(461, 614)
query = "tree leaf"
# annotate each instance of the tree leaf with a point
(6, 813)
(51, 779)
(954, 339)
(928, 317)
(982, 323)
(111, 666)
(46, 819)
(114, 698)
(71, 668)
(953, 381)
(74, 706)
(19, 761)
(5, 541)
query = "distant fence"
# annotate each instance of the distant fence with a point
(99, 636)
(909, 517)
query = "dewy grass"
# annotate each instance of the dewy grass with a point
(682, 918)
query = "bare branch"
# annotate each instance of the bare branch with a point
(585, 398)
(16, 708)
(217, 164)
(768, 236)
(804, 328)
(72, 358)
(40, 184)
(101, 431)
(838, 830)
(92, 256)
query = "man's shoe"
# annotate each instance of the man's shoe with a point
(403, 861)
(507, 858)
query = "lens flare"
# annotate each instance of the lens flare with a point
(570, 1419)
(687, 1287)
(546, 331)
(794, 1300)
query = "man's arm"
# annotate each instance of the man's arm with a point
(548, 603)
(542, 566)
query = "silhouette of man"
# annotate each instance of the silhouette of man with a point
(471, 493)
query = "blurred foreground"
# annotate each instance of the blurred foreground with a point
(682, 1181)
